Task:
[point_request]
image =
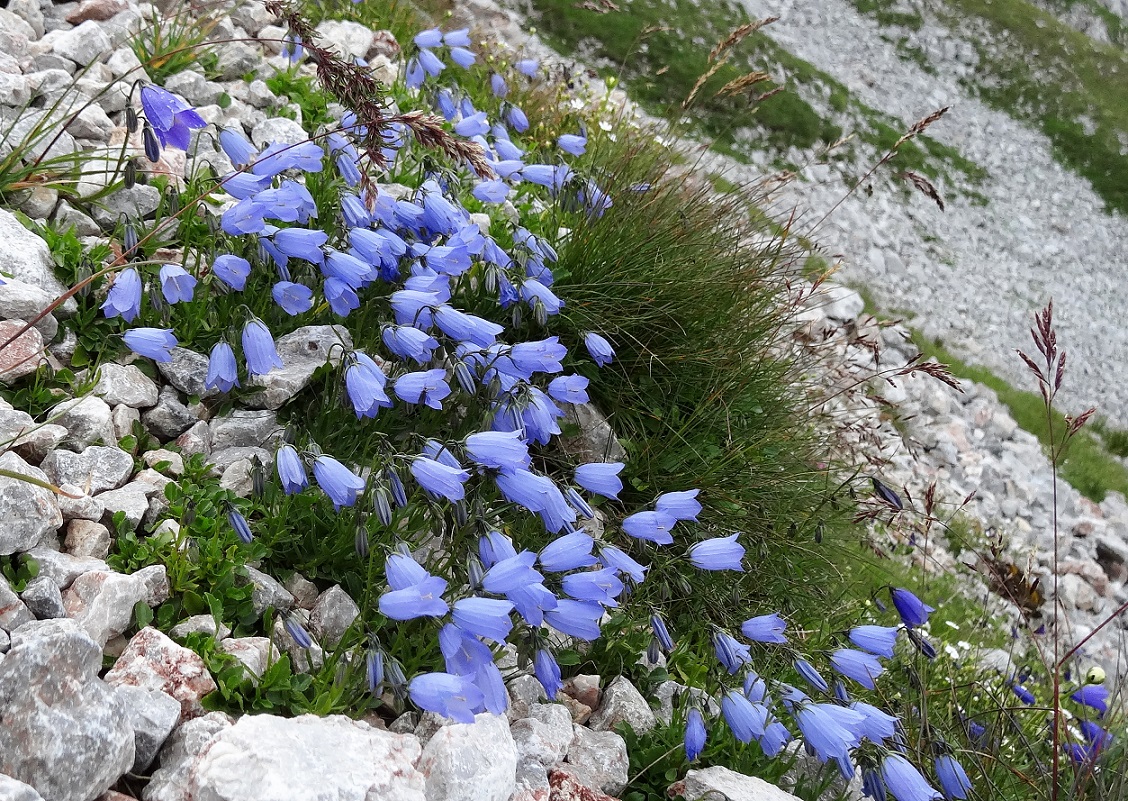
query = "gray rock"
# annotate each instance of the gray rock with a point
(23, 354)
(302, 352)
(92, 124)
(15, 790)
(37, 202)
(125, 419)
(303, 590)
(350, 39)
(78, 504)
(170, 417)
(525, 692)
(229, 457)
(840, 303)
(25, 257)
(471, 761)
(88, 420)
(17, 24)
(30, 12)
(13, 612)
(264, 757)
(125, 383)
(43, 599)
(86, 538)
(600, 757)
(95, 469)
(31, 440)
(63, 731)
(331, 616)
(151, 714)
(154, 662)
(238, 477)
(260, 96)
(255, 653)
(196, 440)
(405, 723)
(124, 61)
(721, 784)
(193, 87)
(20, 300)
(252, 17)
(199, 624)
(64, 568)
(187, 372)
(102, 603)
(177, 756)
(597, 441)
(29, 512)
(623, 703)
(174, 460)
(84, 44)
(268, 593)
(258, 429)
(236, 59)
(278, 130)
(132, 500)
(135, 203)
(544, 736)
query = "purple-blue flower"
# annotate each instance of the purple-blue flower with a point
(829, 730)
(427, 387)
(124, 297)
(177, 284)
(661, 633)
(440, 479)
(857, 665)
(240, 525)
(952, 777)
(765, 628)
(502, 450)
(364, 384)
(259, 349)
(746, 719)
(877, 725)
(342, 485)
(512, 573)
(291, 471)
(573, 144)
(602, 586)
(575, 618)
(172, 119)
(878, 640)
(222, 370)
(599, 348)
(651, 526)
(569, 389)
(679, 505)
(1094, 696)
(1023, 694)
(232, 270)
(810, 675)
(694, 734)
(293, 298)
(484, 617)
(153, 343)
(913, 611)
(548, 672)
(602, 478)
(618, 560)
(719, 553)
(424, 599)
(730, 653)
(568, 552)
(904, 781)
(410, 343)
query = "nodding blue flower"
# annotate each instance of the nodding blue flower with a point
(1094, 696)
(594, 200)
(348, 268)
(502, 450)
(1023, 694)
(618, 560)
(177, 284)
(279, 157)
(466, 327)
(457, 38)
(531, 602)
(857, 665)
(552, 177)
(1080, 754)
(922, 643)
(577, 502)
(354, 211)
(651, 526)
(538, 494)
(431, 64)
(829, 730)
(244, 185)
(872, 785)
(573, 144)
(775, 737)
(515, 118)
(542, 356)
(878, 640)
(245, 217)
(483, 617)
(414, 74)
(374, 668)
(236, 147)
(172, 119)
(439, 478)
(434, 449)
(432, 37)
(602, 586)
(548, 672)
(124, 297)
(342, 485)
(402, 571)
(694, 734)
(730, 653)
(810, 675)
(410, 343)
(512, 573)
(291, 472)
(495, 697)
(364, 384)
(463, 653)
(301, 243)
(913, 611)
(904, 781)
(293, 298)
(661, 633)
(569, 552)
(292, 49)
(953, 779)
(877, 726)
(297, 631)
(341, 297)
(599, 348)
(259, 349)
(495, 191)
(424, 599)
(528, 66)
(428, 387)
(493, 547)
(153, 343)
(887, 495)
(1097, 737)
(755, 688)
(746, 719)
(462, 57)
(509, 152)
(231, 270)
(602, 478)
(455, 697)
(569, 389)
(765, 628)
(240, 525)
(679, 505)
(719, 553)
(222, 371)
(575, 618)
(498, 85)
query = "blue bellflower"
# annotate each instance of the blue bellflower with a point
(746, 720)
(857, 665)
(547, 672)
(232, 270)
(291, 471)
(153, 343)
(484, 617)
(440, 479)
(124, 297)
(600, 349)
(177, 284)
(446, 694)
(679, 505)
(172, 119)
(222, 370)
(765, 628)
(428, 387)
(602, 478)
(259, 349)
(342, 485)
(904, 781)
(878, 640)
(953, 779)
(695, 734)
(423, 599)
(913, 611)
(568, 552)
(575, 618)
(719, 553)
(651, 526)
(732, 654)
(618, 560)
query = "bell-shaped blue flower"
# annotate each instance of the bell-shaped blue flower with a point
(172, 119)
(572, 144)
(732, 654)
(877, 725)
(153, 343)
(904, 781)
(231, 270)
(599, 348)
(502, 450)
(857, 665)
(828, 730)
(410, 343)
(424, 599)
(259, 349)
(879, 640)
(428, 387)
(694, 734)
(575, 618)
(602, 478)
(291, 471)
(124, 297)
(913, 611)
(292, 298)
(679, 505)
(765, 628)
(953, 779)
(1094, 696)
(618, 560)
(602, 586)
(719, 553)
(240, 525)
(484, 617)
(746, 719)
(177, 284)
(342, 485)
(222, 370)
(364, 384)
(512, 573)
(445, 694)
(548, 672)
(569, 389)
(810, 675)
(661, 633)
(569, 552)
(651, 526)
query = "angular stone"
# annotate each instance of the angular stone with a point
(265, 758)
(13, 612)
(255, 653)
(236, 59)
(43, 599)
(15, 790)
(177, 757)
(196, 440)
(525, 692)
(88, 420)
(96, 469)
(331, 616)
(135, 203)
(238, 477)
(245, 429)
(278, 130)
(600, 758)
(98, 10)
(102, 603)
(721, 784)
(25, 257)
(125, 419)
(268, 593)
(37, 202)
(125, 383)
(840, 303)
(303, 590)
(78, 504)
(623, 703)
(471, 761)
(87, 538)
(304, 660)
(545, 735)
(568, 784)
(170, 417)
(64, 568)
(596, 441)
(302, 352)
(22, 355)
(28, 439)
(151, 714)
(160, 455)
(585, 689)
(187, 371)
(131, 500)
(84, 44)
(20, 300)
(349, 39)
(199, 624)
(252, 17)
(62, 730)
(153, 661)
(29, 512)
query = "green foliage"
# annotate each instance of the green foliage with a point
(302, 90)
(166, 45)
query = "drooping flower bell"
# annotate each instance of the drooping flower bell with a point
(173, 120)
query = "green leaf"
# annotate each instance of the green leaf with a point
(143, 614)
